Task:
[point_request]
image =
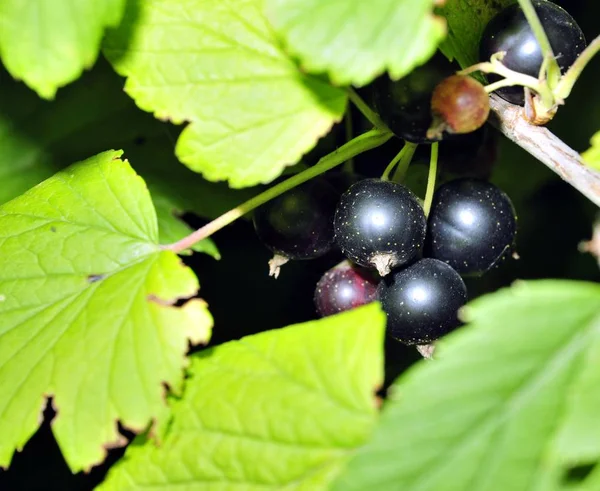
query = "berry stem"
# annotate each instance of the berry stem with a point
(362, 143)
(552, 68)
(510, 77)
(431, 178)
(367, 112)
(567, 82)
(404, 161)
(349, 130)
(401, 154)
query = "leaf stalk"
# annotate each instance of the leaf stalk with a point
(362, 143)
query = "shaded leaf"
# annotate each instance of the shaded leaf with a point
(355, 41)
(49, 44)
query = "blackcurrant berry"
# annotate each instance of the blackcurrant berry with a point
(379, 224)
(472, 226)
(344, 287)
(473, 155)
(405, 105)
(459, 105)
(299, 223)
(422, 301)
(509, 31)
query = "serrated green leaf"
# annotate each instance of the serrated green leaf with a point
(466, 21)
(504, 405)
(85, 310)
(218, 65)
(592, 156)
(171, 228)
(355, 41)
(47, 44)
(281, 410)
(38, 138)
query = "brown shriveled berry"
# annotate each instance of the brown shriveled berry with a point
(459, 104)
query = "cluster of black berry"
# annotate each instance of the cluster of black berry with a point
(381, 225)
(413, 264)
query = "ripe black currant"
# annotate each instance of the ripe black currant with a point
(459, 105)
(509, 31)
(422, 301)
(379, 224)
(344, 287)
(473, 155)
(472, 226)
(299, 223)
(405, 105)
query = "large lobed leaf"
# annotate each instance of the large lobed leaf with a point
(511, 403)
(47, 44)
(86, 311)
(354, 41)
(278, 410)
(217, 64)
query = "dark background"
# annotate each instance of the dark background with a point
(553, 219)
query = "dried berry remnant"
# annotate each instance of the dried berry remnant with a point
(379, 224)
(422, 301)
(344, 287)
(459, 105)
(510, 32)
(472, 226)
(299, 223)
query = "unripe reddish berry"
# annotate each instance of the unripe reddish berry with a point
(459, 104)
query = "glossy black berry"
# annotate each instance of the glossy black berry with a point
(509, 31)
(299, 223)
(472, 226)
(379, 224)
(474, 155)
(344, 287)
(422, 301)
(405, 105)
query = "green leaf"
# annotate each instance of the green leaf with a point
(592, 156)
(354, 41)
(86, 307)
(218, 65)
(282, 409)
(38, 138)
(466, 21)
(48, 44)
(509, 403)
(171, 228)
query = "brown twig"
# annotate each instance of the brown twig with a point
(546, 147)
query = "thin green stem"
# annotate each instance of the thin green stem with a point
(367, 112)
(349, 165)
(405, 160)
(390, 167)
(499, 84)
(362, 143)
(567, 82)
(510, 78)
(431, 178)
(553, 73)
